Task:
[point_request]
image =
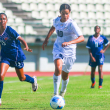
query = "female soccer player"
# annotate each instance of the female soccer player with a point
(12, 54)
(64, 49)
(95, 46)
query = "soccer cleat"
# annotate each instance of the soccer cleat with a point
(0, 101)
(54, 95)
(62, 93)
(100, 87)
(34, 85)
(93, 85)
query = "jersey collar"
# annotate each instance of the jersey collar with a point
(95, 37)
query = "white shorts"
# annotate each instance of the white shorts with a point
(67, 62)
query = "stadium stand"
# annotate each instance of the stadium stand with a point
(34, 17)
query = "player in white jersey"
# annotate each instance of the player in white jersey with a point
(64, 49)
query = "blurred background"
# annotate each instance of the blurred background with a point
(32, 19)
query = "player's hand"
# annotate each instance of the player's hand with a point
(44, 44)
(93, 59)
(102, 51)
(64, 44)
(27, 49)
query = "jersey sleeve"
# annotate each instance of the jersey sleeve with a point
(88, 45)
(55, 21)
(14, 34)
(76, 29)
(106, 42)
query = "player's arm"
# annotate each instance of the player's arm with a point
(91, 56)
(105, 48)
(52, 29)
(75, 41)
(24, 43)
(107, 44)
(88, 46)
(78, 32)
(74, 27)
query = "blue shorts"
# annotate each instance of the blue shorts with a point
(99, 60)
(15, 64)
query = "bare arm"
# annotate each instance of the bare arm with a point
(75, 41)
(91, 56)
(105, 48)
(24, 43)
(52, 29)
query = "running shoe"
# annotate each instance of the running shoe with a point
(62, 93)
(100, 87)
(93, 85)
(34, 85)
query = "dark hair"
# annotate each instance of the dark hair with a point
(65, 6)
(97, 26)
(3, 14)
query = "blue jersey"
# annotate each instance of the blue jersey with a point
(96, 44)
(10, 46)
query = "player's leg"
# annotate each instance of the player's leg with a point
(100, 76)
(100, 66)
(3, 69)
(67, 66)
(93, 76)
(25, 77)
(57, 75)
(65, 80)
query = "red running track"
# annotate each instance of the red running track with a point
(37, 73)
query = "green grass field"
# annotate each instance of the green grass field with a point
(19, 96)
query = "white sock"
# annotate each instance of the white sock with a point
(56, 82)
(64, 85)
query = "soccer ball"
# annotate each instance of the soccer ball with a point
(57, 102)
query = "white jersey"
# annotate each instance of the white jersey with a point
(66, 31)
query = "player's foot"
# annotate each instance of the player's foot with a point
(0, 101)
(34, 85)
(54, 95)
(100, 87)
(62, 93)
(93, 85)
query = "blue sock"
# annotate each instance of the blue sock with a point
(100, 81)
(93, 80)
(1, 88)
(29, 79)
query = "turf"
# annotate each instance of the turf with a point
(19, 96)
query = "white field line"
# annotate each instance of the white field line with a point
(11, 82)
(30, 87)
(37, 79)
(26, 92)
(20, 81)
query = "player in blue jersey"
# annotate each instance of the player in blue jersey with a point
(12, 54)
(64, 49)
(96, 51)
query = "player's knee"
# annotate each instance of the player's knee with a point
(1, 77)
(100, 70)
(22, 79)
(59, 69)
(65, 77)
(58, 72)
